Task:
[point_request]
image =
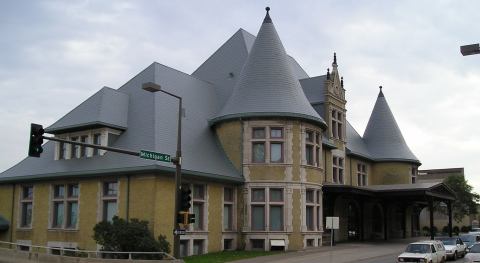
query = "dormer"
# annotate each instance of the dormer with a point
(334, 82)
(98, 120)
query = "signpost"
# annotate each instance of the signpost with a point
(332, 224)
(155, 156)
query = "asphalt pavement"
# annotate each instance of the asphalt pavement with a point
(366, 252)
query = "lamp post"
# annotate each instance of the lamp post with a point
(468, 50)
(152, 87)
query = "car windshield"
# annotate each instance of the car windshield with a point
(418, 248)
(475, 249)
(448, 241)
(468, 238)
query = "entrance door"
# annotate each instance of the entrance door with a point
(353, 220)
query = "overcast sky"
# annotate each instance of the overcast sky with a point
(55, 54)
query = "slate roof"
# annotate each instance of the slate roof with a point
(383, 136)
(151, 125)
(355, 143)
(267, 86)
(224, 66)
(107, 108)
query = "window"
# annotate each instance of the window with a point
(74, 148)
(267, 144)
(65, 206)
(338, 169)
(62, 154)
(198, 246)
(83, 149)
(184, 248)
(313, 148)
(227, 244)
(26, 203)
(258, 209)
(258, 243)
(312, 209)
(414, 173)
(109, 200)
(228, 201)
(97, 140)
(199, 206)
(362, 174)
(275, 205)
(276, 209)
(337, 124)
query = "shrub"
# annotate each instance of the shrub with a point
(465, 229)
(128, 236)
(445, 229)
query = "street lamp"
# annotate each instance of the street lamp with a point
(470, 49)
(153, 87)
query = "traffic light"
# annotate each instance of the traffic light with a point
(36, 140)
(185, 199)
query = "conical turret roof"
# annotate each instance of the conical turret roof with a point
(267, 86)
(383, 136)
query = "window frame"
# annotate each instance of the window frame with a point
(316, 206)
(338, 169)
(337, 124)
(362, 174)
(108, 198)
(26, 200)
(66, 200)
(267, 141)
(313, 144)
(229, 203)
(266, 204)
(202, 200)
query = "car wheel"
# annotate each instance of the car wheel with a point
(455, 256)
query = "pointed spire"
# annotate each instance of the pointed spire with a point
(384, 139)
(341, 82)
(267, 86)
(328, 73)
(380, 94)
(267, 18)
(334, 59)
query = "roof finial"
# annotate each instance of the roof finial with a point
(381, 93)
(341, 82)
(335, 58)
(328, 73)
(267, 18)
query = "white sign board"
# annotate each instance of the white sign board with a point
(332, 222)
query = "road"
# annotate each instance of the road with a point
(342, 253)
(390, 259)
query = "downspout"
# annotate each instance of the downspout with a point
(128, 198)
(13, 211)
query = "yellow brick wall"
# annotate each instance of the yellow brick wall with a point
(215, 210)
(391, 173)
(230, 136)
(6, 192)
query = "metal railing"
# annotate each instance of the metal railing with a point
(68, 252)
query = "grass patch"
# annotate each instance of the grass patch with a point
(226, 256)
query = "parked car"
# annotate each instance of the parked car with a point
(474, 254)
(470, 239)
(430, 251)
(454, 247)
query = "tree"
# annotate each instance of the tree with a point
(466, 202)
(128, 236)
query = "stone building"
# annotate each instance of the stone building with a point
(267, 150)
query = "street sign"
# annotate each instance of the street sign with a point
(179, 232)
(155, 156)
(331, 222)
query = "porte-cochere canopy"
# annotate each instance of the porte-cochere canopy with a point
(398, 205)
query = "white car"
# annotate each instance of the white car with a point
(454, 247)
(474, 254)
(430, 251)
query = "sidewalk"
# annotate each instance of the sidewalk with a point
(341, 253)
